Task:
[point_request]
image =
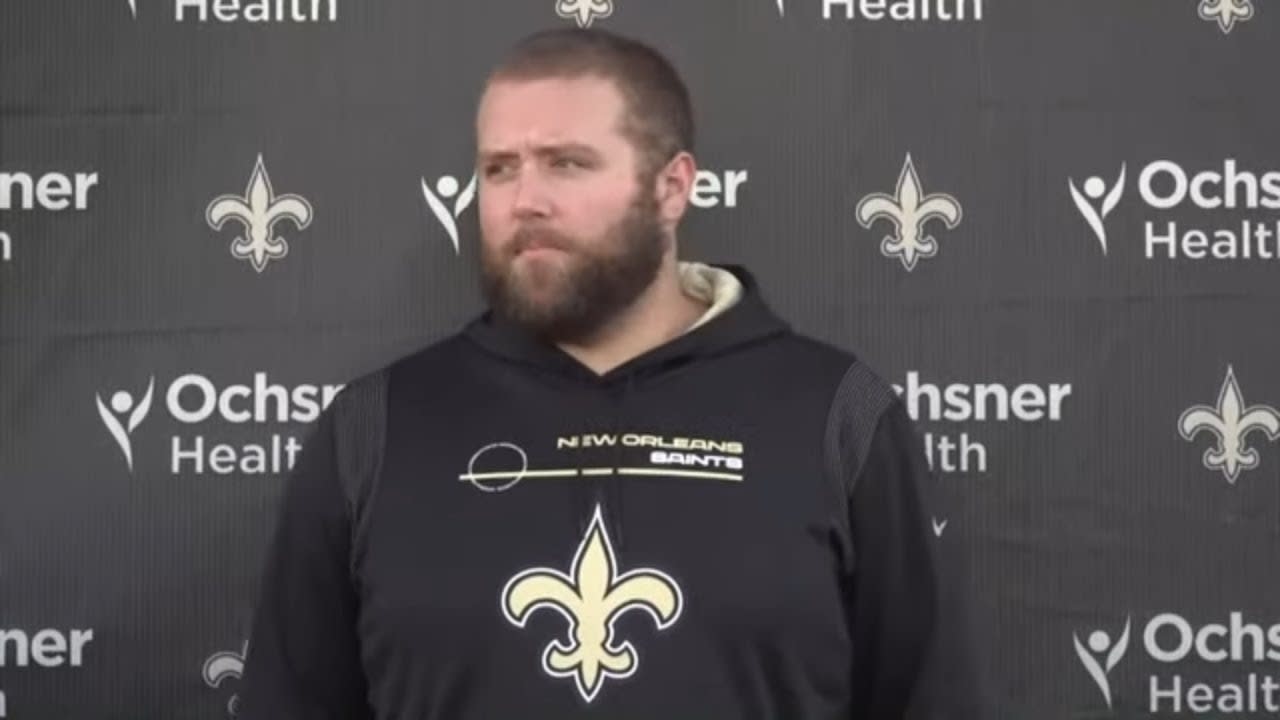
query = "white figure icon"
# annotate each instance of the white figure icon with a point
(448, 188)
(1099, 645)
(1095, 188)
(122, 404)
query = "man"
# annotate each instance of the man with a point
(628, 490)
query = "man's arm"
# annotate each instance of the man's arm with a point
(303, 659)
(913, 652)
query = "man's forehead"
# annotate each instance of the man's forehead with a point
(554, 110)
(583, 88)
(532, 140)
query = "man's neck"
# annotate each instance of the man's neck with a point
(662, 313)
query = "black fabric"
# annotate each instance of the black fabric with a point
(757, 501)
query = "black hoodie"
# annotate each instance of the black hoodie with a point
(735, 524)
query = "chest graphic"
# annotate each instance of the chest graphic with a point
(591, 598)
(500, 466)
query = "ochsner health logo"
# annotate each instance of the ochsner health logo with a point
(448, 188)
(1177, 648)
(196, 402)
(971, 406)
(1095, 190)
(124, 416)
(1240, 207)
(41, 650)
(49, 191)
(1102, 656)
(898, 10)
(249, 11)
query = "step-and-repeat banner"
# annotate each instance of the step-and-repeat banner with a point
(1052, 224)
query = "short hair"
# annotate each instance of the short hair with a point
(658, 115)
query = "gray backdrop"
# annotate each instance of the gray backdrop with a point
(1122, 513)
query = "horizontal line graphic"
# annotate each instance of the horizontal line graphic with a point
(591, 472)
(680, 473)
(467, 477)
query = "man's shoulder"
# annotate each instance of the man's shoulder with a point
(427, 358)
(423, 361)
(855, 396)
(847, 366)
(858, 392)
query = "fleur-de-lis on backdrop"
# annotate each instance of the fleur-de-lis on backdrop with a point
(258, 211)
(908, 209)
(1230, 423)
(1226, 12)
(223, 665)
(584, 12)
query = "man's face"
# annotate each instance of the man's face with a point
(570, 234)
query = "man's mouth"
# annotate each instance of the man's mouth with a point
(535, 246)
(537, 250)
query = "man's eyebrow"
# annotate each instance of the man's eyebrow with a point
(542, 151)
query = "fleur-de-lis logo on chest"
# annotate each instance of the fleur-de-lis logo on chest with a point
(591, 598)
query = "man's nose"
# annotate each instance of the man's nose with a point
(531, 198)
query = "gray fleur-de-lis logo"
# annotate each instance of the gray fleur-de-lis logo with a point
(1226, 12)
(1230, 423)
(259, 211)
(122, 403)
(220, 666)
(1099, 643)
(1095, 189)
(448, 188)
(584, 12)
(908, 209)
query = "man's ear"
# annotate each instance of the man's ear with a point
(672, 186)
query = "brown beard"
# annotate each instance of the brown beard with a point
(598, 279)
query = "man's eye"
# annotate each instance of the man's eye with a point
(566, 162)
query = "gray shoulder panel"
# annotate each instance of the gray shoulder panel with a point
(860, 399)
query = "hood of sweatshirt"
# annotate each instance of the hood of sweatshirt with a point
(737, 316)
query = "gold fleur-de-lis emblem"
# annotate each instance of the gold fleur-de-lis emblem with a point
(1230, 422)
(1226, 12)
(259, 211)
(584, 12)
(591, 598)
(908, 209)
